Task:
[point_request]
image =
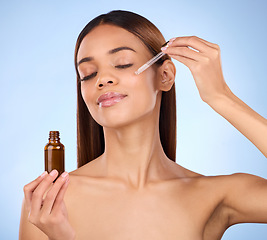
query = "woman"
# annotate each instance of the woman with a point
(128, 185)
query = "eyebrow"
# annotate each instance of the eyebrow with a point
(112, 51)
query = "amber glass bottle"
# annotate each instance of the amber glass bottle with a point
(54, 153)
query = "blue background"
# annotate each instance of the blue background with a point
(38, 88)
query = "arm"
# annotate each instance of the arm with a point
(245, 195)
(246, 198)
(252, 125)
(205, 66)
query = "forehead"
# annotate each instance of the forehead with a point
(106, 37)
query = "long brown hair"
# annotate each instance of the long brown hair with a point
(90, 136)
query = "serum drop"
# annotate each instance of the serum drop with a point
(54, 154)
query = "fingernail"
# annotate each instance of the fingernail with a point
(53, 173)
(43, 174)
(65, 174)
(171, 41)
(163, 48)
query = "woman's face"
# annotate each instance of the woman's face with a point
(108, 58)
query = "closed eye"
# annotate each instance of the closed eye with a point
(95, 73)
(89, 76)
(124, 66)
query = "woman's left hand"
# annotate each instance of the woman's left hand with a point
(204, 64)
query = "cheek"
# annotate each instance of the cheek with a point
(85, 87)
(87, 96)
(144, 89)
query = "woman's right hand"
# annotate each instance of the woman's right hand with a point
(49, 214)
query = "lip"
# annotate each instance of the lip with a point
(110, 98)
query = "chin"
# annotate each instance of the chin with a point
(123, 120)
(116, 119)
(123, 115)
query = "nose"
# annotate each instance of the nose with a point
(106, 80)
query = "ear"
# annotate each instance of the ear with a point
(166, 75)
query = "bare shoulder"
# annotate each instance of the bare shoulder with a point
(245, 197)
(82, 173)
(222, 182)
(89, 169)
(214, 189)
(86, 180)
(239, 199)
(232, 183)
(209, 193)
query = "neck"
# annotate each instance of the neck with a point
(134, 154)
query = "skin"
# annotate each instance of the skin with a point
(133, 191)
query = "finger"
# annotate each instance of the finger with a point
(60, 197)
(186, 61)
(37, 196)
(30, 187)
(213, 45)
(183, 51)
(54, 193)
(191, 41)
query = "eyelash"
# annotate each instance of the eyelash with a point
(95, 73)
